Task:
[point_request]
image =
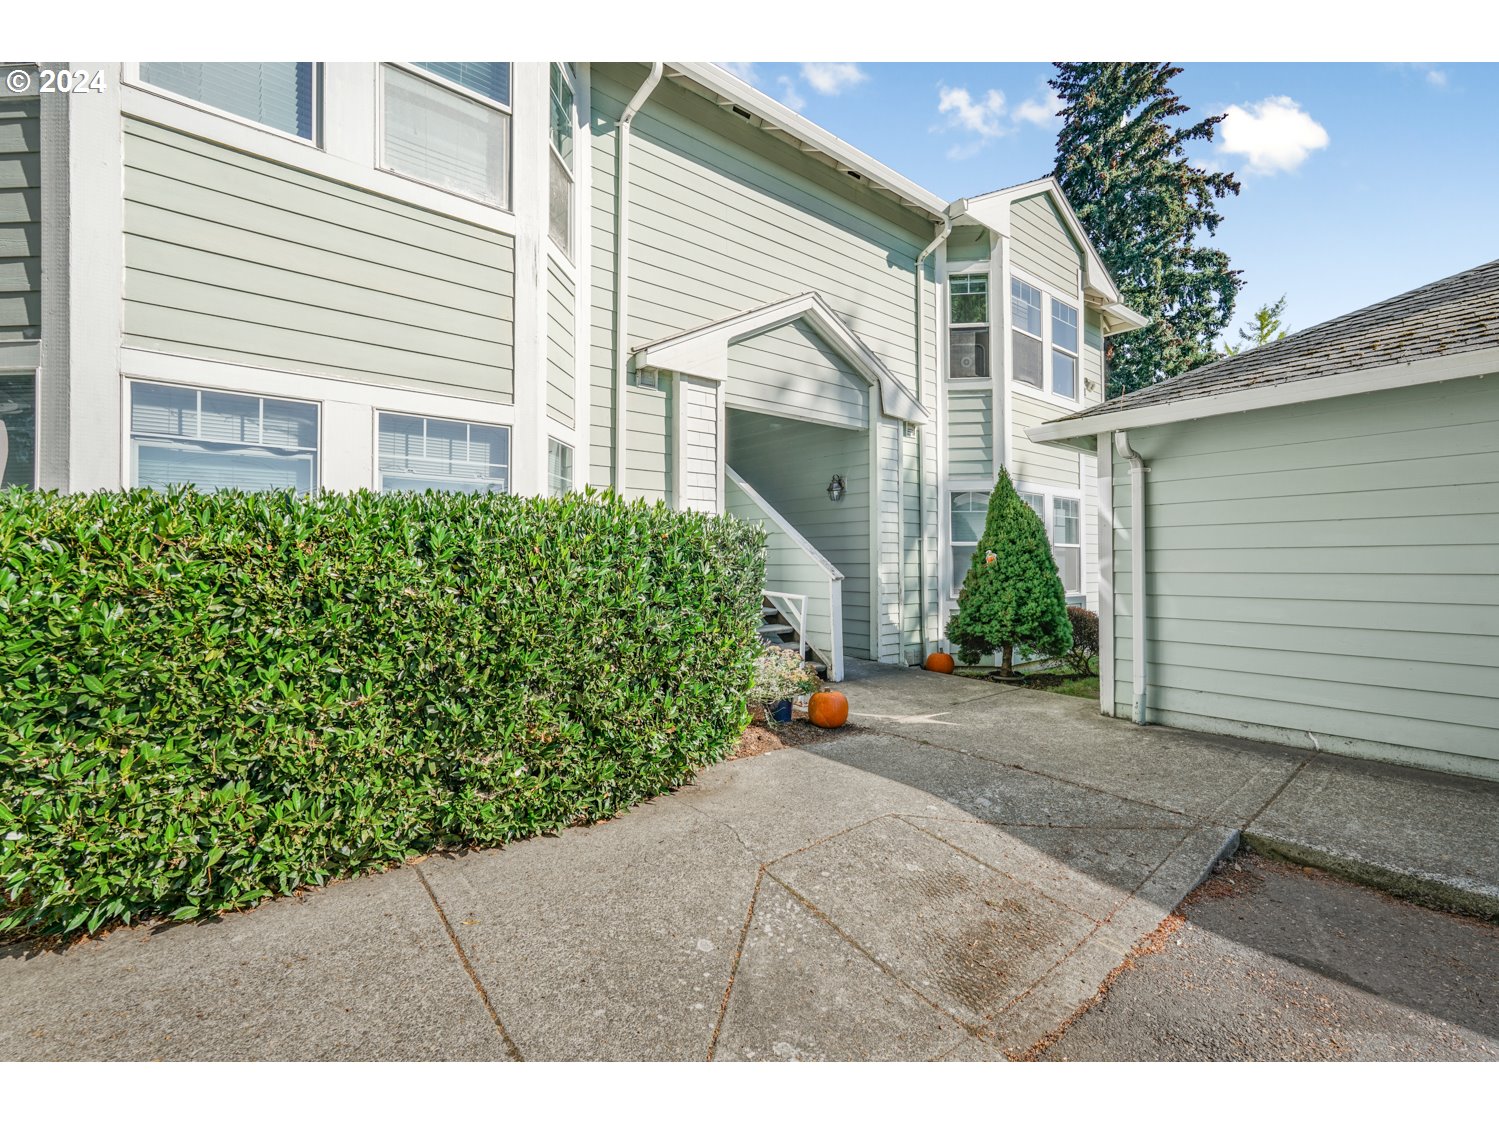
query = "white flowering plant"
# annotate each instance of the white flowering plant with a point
(780, 674)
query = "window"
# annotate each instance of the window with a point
(1026, 347)
(1064, 530)
(213, 439)
(279, 95)
(966, 527)
(452, 132)
(18, 431)
(419, 454)
(1063, 349)
(559, 468)
(560, 185)
(969, 320)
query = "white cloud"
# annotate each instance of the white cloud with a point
(791, 98)
(832, 78)
(1436, 77)
(744, 71)
(1276, 135)
(986, 117)
(1040, 111)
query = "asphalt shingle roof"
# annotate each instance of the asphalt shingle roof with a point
(1448, 317)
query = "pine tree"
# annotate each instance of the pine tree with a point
(1012, 597)
(1269, 326)
(1121, 163)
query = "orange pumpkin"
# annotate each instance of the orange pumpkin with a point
(828, 709)
(940, 662)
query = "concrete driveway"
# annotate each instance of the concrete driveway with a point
(951, 882)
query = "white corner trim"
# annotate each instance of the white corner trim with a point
(1105, 538)
(704, 351)
(1474, 364)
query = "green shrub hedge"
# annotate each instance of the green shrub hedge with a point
(206, 700)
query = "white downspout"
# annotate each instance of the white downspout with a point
(920, 434)
(622, 272)
(1137, 471)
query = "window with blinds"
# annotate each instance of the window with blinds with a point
(419, 454)
(1025, 333)
(559, 468)
(279, 95)
(18, 431)
(442, 135)
(212, 440)
(560, 182)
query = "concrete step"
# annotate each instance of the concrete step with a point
(777, 630)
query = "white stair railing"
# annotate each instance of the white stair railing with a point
(792, 606)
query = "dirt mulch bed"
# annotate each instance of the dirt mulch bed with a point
(759, 738)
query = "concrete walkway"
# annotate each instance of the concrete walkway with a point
(951, 882)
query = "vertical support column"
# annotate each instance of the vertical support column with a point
(95, 265)
(52, 379)
(529, 167)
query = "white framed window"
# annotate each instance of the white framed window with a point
(18, 429)
(965, 512)
(448, 124)
(214, 439)
(1045, 344)
(559, 468)
(417, 453)
(560, 180)
(1061, 515)
(968, 326)
(282, 96)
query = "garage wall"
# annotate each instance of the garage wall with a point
(1325, 572)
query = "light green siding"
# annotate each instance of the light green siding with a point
(791, 371)
(700, 444)
(650, 429)
(1325, 571)
(1040, 244)
(967, 244)
(20, 218)
(1040, 464)
(970, 433)
(790, 463)
(230, 256)
(561, 376)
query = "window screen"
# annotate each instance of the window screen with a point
(559, 468)
(281, 95)
(212, 440)
(443, 138)
(419, 454)
(969, 353)
(17, 431)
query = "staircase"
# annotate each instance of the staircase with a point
(782, 623)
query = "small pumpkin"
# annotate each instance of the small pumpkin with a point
(940, 662)
(828, 709)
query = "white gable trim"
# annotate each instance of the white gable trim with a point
(704, 351)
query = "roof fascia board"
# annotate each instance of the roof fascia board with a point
(993, 210)
(1473, 364)
(808, 135)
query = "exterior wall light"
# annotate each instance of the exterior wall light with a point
(836, 489)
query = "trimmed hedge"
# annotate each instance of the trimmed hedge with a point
(209, 699)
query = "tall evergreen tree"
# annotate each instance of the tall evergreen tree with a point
(1121, 162)
(1012, 597)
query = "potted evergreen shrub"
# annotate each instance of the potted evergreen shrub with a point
(1012, 596)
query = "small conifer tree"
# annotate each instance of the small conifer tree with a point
(1012, 597)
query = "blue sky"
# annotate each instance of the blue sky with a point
(1360, 180)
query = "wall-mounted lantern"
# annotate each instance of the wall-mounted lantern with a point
(836, 489)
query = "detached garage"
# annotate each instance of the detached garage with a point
(1320, 536)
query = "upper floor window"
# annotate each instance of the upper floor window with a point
(448, 124)
(560, 185)
(213, 439)
(968, 318)
(1043, 348)
(278, 95)
(419, 454)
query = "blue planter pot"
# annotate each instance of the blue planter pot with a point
(781, 712)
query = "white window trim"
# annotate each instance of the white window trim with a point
(1050, 494)
(131, 76)
(127, 445)
(1049, 293)
(507, 206)
(375, 412)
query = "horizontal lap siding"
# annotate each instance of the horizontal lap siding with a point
(792, 372)
(1039, 464)
(1040, 244)
(650, 424)
(1327, 568)
(790, 463)
(700, 444)
(230, 256)
(887, 628)
(970, 434)
(560, 332)
(20, 218)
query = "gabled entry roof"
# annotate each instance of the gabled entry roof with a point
(704, 351)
